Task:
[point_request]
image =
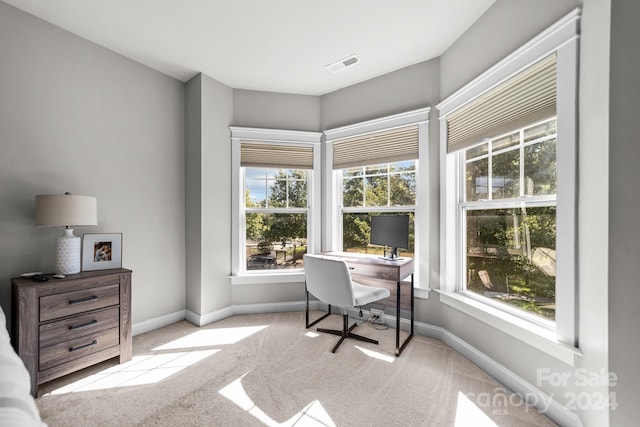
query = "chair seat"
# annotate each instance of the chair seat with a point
(364, 295)
(329, 280)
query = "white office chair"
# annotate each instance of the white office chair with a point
(328, 279)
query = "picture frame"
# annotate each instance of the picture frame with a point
(101, 251)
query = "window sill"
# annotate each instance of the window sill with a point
(422, 293)
(264, 277)
(535, 335)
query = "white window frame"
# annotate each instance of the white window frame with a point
(368, 209)
(332, 189)
(498, 203)
(239, 274)
(559, 340)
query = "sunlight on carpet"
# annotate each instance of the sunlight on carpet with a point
(313, 414)
(376, 354)
(144, 369)
(153, 368)
(468, 414)
(212, 337)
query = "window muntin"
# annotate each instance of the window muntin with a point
(388, 188)
(276, 218)
(389, 184)
(508, 212)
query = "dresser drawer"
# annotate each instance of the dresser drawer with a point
(79, 347)
(69, 303)
(77, 326)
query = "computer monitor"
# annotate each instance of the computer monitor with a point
(391, 231)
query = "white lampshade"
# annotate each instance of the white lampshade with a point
(66, 210)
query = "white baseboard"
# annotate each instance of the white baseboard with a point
(510, 380)
(273, 307)
(205, 319)
(530, 393)
(157, 323)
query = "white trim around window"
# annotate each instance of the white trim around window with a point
(273, 137)
(331, 241)
(560, 341)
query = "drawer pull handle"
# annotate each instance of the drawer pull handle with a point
(81, 300)
(80, 347)
(73, 327)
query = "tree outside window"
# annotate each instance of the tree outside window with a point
(275, 218)
(510, 218)
(376, 190)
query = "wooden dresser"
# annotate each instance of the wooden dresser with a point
(63, 325)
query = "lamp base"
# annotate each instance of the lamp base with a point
(68, 253)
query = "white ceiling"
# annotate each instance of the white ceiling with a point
(269, 45)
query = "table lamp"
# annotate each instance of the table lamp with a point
(66, 210)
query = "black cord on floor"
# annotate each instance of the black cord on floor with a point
(377, 322)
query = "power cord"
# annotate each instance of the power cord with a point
(376, 320)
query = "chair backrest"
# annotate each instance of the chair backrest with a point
(329, 280)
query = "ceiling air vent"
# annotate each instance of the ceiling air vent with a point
(343, 63)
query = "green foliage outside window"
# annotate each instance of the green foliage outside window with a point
(275, 239)
(376, 186)
(511, 251)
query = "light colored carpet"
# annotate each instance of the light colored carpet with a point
(257, 370)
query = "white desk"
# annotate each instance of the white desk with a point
(397, 271)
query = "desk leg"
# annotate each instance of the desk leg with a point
(406, 341)
(412, 301)
(398, 351)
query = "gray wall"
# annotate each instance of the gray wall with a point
(504, 27)
(276, 110)
(217, 113)
(624, 209)
(209, 109)
(77, 117)
(407, 89)
(592, 197)
(193, 193)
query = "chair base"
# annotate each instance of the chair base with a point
(346, 333)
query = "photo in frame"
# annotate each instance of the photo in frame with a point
(101, 251)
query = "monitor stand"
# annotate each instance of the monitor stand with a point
(393, 255)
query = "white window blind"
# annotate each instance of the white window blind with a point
(525, 98)
(264, 154)
(388, 146)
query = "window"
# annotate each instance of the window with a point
(276, 216)
(508, 185)
(374, 190)
(275, 192)
(378, 167)
(509, 215)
